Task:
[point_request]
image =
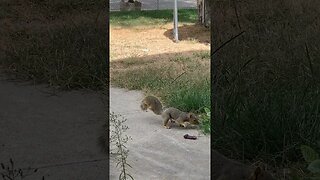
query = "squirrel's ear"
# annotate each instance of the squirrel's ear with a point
(189, 115)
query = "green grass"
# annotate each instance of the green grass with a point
(191, 95)
(186, 89)
(268, 90)
(205, 123)
(202, 55)
(150, 18)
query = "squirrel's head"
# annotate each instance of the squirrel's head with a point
(193, 119)
(143, 106)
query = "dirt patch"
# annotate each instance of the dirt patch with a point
(141, 42)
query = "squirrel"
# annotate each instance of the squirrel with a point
(227, 169)
(172, 114)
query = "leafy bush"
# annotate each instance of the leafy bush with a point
(311, 157)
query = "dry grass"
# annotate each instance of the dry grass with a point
(267, 80)
(54, 42)
(137, 42)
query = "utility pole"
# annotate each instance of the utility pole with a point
(175, 21)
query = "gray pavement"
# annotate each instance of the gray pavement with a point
(155, 152)
(157, 4)
(58, 133)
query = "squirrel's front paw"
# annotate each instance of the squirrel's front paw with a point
(167, 127)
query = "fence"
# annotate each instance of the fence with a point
(157, 4)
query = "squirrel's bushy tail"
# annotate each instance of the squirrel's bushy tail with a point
(152, 103)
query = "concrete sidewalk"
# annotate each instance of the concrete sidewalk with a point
(155, 152)
(154, 4)
(58, 133)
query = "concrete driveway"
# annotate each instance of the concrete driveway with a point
(155, 152)
(57, 134)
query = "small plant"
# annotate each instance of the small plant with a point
(311, 157)
(181, 59)
(206, 121)
(119, 139)
(10, 172)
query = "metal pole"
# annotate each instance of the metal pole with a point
(175, 21)
(157, 4)
(204, 12)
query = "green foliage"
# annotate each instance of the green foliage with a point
(314, 167)
(205, 121)
(311, 157)
(188, 95)
(308, 153)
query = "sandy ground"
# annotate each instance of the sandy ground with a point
(145, 42)
(155, 152)
(58, 133)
